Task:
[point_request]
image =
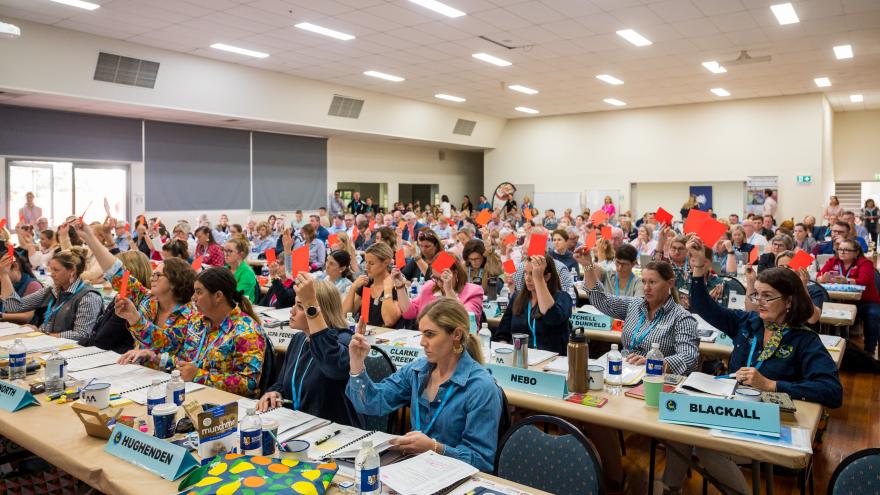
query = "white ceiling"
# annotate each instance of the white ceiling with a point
(568, 42)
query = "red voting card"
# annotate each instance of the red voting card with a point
(270, 256)
(753, 255)
(509, 267)
(127, 228)
(400, 259)
(10, 250)
(332, 240)
(599, 217)
(21, 218)
(123, 286)
(300, 260)
(365, 304)
(528, 214)
(2, 223)
(372, 224)
(80, 217)
(606, 232)
(537, 245)
(400, 226)
(157, 223)
(354, 233)
(197, 264)
(694, 220)
(663, 216)
(484, 217)
(510, 239)
(443, 261)
(802, 259)
(710, 231)
(591, 240)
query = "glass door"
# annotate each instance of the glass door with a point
(100, 190)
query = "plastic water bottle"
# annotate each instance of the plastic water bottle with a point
(615, 370)
(351, 322)
(472, 319)
(251, 433)
(486, 341)
(55, 373)
(654, 364)
(414, 289)
(156, 395)
(574, 297)
(176, 391)
(366, 470)
(574, 275)
(17, 361)
(265, 270)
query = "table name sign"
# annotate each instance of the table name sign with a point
(590, 321)
(400, 355)
(723, 414)
(13, 397)
(153, 454)
(534, 382)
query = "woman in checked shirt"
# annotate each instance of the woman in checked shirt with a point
(654, 317)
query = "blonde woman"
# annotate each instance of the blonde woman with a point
(384, 311)
(344, 243)
(688, 205)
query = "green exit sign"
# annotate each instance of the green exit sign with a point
(876, 176)
(805, 179)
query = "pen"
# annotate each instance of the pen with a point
(729, 377)
(327, 437)
(281, 447)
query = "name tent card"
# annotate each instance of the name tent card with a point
(153, 454)
(280, 336)
(533, 382)
(13, 397)
(400, 355)
(723, 414)
(590, 321)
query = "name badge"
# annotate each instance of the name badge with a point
(723, 414)
(590, 321)
(533, 382)
(736, 301)
(401, 356)
(153, 454)
(13, 397)
(280, 337)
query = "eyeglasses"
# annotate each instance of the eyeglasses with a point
(156, 276)
(228, 251)
(845, 250)
(838, 232)
(755, 299)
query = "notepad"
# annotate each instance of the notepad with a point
(831, 341)
(631, 374)
(44, 343)
(291, 424)
(790, 437)
(131, 381)
(7, 329)
(346, 444)
(425, 474)
(85, 358)
(535, 355)
(700, 383)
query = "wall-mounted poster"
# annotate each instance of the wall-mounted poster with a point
(755, 195)
(703, 195)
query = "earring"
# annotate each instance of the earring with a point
(457, 348)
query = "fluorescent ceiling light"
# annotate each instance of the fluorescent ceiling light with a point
(457, 99)
(614, 101)
(440, 8)
(856, 98)
(714, 67)
(78, 3)
(526, 110)
(382, 75)
(822, 82)
(785, 13)
(720, 92)
(634, 37)
(523, 89)
(308, 26)
(843, 51)
(609, 79)
(485, 57)
(240, 51)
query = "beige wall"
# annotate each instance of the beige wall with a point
(727, 197)
(714, 142)
(856, 145)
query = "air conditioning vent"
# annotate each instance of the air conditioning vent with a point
(126, 70)
(344, 106)
(464, 127)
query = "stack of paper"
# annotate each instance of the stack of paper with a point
(275, 317)
(43, 343)
(7, 329)
(130, 380)
(341, 441)
(85, 358)
(425, 473)
(702, 384)
(291, 424)
(831, 342)
(406, 338)
(631, 375)
(789, 437)
(535, 355)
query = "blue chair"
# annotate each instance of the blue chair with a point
(564, 463)
(859, 474)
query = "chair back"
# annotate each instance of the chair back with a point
(876, 278)
(564, 463)
(857, 474)
(270, 370)
(379, 367)
(731, 285)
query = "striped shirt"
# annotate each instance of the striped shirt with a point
(673, 327)
(90, 308)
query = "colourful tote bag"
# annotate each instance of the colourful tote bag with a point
(236, 474)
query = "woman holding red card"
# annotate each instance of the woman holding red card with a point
(382, 310)
(450, 282)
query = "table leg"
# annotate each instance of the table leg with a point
(756, 477)
(768, 478)
(653, 454)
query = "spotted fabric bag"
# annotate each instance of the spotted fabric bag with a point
(236, 474)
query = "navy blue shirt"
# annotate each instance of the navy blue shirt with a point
(801, 366)
(551, 329)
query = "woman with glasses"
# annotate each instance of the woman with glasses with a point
(483, 266)
(849, 266)
(773, 351)
(622, 281)
(644, 242)
(451, 283)
(420, 265)
(235, 250)
(779, 243)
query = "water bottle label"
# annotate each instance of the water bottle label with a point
(151, 403)
(18, 360)
(615, 367)
(180, 396)
(654, 367)
(250, 440)
(370, 480)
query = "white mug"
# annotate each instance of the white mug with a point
(97, 395)
(504, 355)
(597, 377)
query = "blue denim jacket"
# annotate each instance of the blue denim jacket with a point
(467, 425)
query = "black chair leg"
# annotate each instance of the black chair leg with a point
(653, 453)
(705, 486)
(622, 444)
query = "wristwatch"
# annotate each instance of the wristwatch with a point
(312, 311)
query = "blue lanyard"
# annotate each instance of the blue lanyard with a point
(531, 323)
(50, 312)
(297, 392)
(479, 275)
(639, 337)
(416, 419)
(840, 269)
(752, 351)
(626, 289)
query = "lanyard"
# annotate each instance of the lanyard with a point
(626, 289)
(840, 269)
(416, 419)
(752, 351)
(531, 323)
(480, 275)
(639, 337)
(297, 392)
(50, 312)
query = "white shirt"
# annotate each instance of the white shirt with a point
(446, 208)
(757, 240)
(769, 207)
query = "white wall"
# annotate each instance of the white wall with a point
(717, 142)
(727, 197)
(856, 145)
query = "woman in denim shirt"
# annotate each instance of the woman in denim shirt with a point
(455, 405)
